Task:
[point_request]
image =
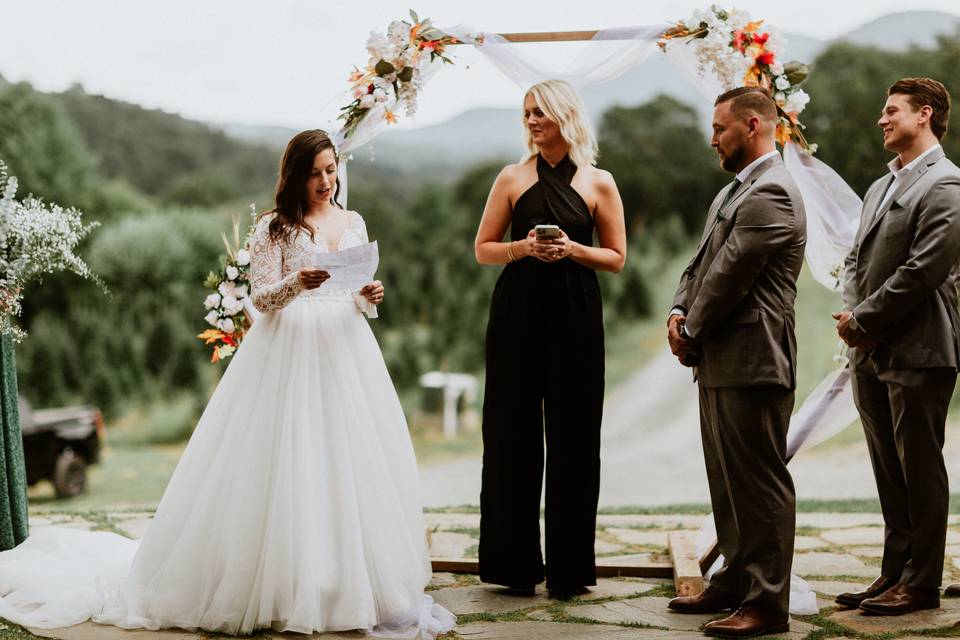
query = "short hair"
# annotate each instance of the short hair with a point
(747, 101)
(560, 102)
(922, 92)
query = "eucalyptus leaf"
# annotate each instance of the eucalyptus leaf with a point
(413, 14)
(384, 68)
(796, 71)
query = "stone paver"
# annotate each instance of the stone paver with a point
(867, 552)
(654, 612)
(832, 588)
(443, 579)
(838, 520)
(487, 598)
(631, 559)
(445, 544)
(854, 535)
(602, 546)
(831, 564)
(90, 631)
(669, 522)
(452, 520)
(656, 537)
(947, 615)
(136, 527)
(806, 543)
(562, 631)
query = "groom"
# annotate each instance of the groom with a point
(900, 318)
(733, 320)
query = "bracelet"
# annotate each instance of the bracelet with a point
(510, 255)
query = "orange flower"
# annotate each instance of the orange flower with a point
(391, 117)
(414, 31)
(753, 26)
(784, 133)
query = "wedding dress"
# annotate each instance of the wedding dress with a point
(295, 505)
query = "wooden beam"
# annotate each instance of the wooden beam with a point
(649, 570)
(550, 36)
(687, 575)
(709, 557)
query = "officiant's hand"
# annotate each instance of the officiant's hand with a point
(313, 278)
(373, 292)
(852, 336)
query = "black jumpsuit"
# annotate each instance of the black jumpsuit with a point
(544, 376)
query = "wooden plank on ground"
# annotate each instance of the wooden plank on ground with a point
(709, 557)
(686, 565)
(648, 570)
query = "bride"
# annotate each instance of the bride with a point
(295, 505)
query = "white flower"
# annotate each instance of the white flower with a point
(796, 101)
(780, 98)
(227, 288)
(398, 32)
(782, 83)
(212, 301)
(776, 42)
(738, 19)
(232, 272)
(226, 325)
(367, 101)
(240, 292)
(380, 95)
(776, 68)
(243, 257)
(231, 305)
(377, 45)
(212, 318)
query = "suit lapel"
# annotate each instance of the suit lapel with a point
(717, 212)
(903, 187)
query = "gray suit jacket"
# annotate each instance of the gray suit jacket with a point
(739, 289)
(900, 277)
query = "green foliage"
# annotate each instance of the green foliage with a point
(663, 166)
(42, 147)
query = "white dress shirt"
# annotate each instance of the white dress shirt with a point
(900, 174)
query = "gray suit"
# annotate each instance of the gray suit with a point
(738, 293)
(900, 282)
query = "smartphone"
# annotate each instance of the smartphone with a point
(547, 231)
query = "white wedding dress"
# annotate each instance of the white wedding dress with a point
(295, 505)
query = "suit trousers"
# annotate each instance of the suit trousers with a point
(744, 431)
(904, 425)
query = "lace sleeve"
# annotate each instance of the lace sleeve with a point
(269, 290)
(361, 227)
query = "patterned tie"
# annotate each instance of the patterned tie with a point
(733, 189)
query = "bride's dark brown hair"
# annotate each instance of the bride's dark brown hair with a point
(291, 192)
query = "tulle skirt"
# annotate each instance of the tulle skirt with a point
(295, 505)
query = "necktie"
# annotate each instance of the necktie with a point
(733, 189)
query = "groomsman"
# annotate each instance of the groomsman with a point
(733, 321)
(900, 319)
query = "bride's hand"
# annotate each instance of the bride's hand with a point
(373, 292)
(313, 278)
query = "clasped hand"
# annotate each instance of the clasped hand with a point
(852, 336)
(681, 346)
(548, 250)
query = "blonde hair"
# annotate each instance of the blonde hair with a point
(560, 102)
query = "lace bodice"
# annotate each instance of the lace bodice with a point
(275, 266)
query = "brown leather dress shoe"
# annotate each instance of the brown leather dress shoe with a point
(709, 600)
(901, 599)
(748, 621)
(854, 598)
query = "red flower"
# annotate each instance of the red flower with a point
(765, 58)
(370, 88)
(761, 38)
(739, 40)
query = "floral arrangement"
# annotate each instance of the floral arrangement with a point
(231, 286)
(742, 53)
(393, 75)
(36, 238)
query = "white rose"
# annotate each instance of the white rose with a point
(212, 318)
(226, 325)
(228, 303)
(240, 292)
(367, 101)
(228, 288)
(776, 68)
(232, 272)
(212, 301)
(782, 83)
(780, 98)
(243, 257)
(796, 101)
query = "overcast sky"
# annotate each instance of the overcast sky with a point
(285, 62)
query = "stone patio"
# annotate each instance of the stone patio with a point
(835, 552)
